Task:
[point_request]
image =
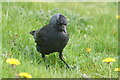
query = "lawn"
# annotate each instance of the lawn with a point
(91, 25)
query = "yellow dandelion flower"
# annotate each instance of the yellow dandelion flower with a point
(109, 60)
(117, 69)
(88, 50)
(25, 75)
(13, 61)
(118, 17)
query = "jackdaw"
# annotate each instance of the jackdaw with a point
(52, 37)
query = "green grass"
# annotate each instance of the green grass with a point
(95, 20)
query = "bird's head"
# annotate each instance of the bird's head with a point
(59, 21)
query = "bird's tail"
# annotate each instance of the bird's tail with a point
(32, 32)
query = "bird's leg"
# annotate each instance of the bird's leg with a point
(43, 57)
(61, 57)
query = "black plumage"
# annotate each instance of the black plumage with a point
(52, 37)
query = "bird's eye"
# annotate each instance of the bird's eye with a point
(61, 23)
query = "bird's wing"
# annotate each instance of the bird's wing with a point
(40, 36)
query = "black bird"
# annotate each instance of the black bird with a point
(52, 37)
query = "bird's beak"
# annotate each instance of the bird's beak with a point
(64, 28)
